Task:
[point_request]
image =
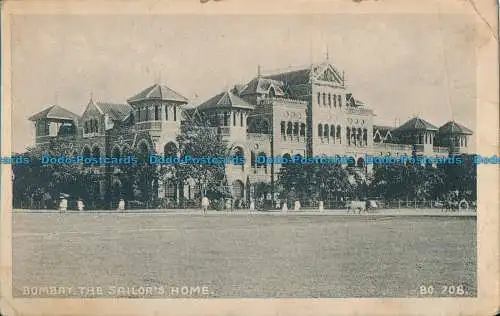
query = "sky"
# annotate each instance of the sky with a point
(399, 65)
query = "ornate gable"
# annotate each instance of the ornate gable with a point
(329, 75)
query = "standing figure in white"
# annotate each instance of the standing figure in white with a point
(321, 206)
(63, 205)
(297, 206)
(252, 206)
(204, 204)
(121, 205)
(80, 205)
(285, 207)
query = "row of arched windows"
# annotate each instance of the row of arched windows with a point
(330, 99)
(356, 136)
(154, 114)
(329, 133)
(293, 128)
(91, 126)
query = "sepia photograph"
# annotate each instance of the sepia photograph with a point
(200, 155)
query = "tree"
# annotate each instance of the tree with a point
(314, 181)
(41, 184)
(200, 141)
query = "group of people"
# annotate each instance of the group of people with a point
(205, 203)
(80, 205)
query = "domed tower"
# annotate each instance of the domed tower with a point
(157, 111)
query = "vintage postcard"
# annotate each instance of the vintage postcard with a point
(250, 157)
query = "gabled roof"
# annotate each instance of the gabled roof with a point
(293, 78)
(416, 124)
(453, 127)
(54, 112)
(116, 112)
(225, 100)
(262, 85)
(304, 74)
(158, 92)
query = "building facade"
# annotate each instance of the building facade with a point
(308, 111)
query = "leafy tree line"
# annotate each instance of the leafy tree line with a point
(38, 185)
(390, 182)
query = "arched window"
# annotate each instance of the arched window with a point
(157, 112)
(295, 129)
(234, 118)
(170, 149)
(319, 98)
(348, 135)
(175, 113)
(86, 152)
(335, 100)
(252, 159)
(302, 129)
(324, 98)
(289, 128)
(361, 162)
(339, 132)
(115, 152)
(332, 132)
(96, 153)
(241, 119)
(261, 164)
(365, 136)
(239, 153)
(326, 131)
(339, 100)
(283, 128)
(320, 130)
(330, 99)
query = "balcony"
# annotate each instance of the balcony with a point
(393, 147)
(259, 137)
(149, 125)
(56, 138)
(441, 150)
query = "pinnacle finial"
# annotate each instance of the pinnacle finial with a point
(327, 53)
(259, 71)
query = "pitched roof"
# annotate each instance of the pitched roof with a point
(158, 92)
(293, 78)
(262, 85)
(54, 112)
(117, 112)
(224, 100)
(416, 124)
(453, 127)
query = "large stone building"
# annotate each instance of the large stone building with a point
(308, 111)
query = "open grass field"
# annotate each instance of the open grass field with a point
(260, 256)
